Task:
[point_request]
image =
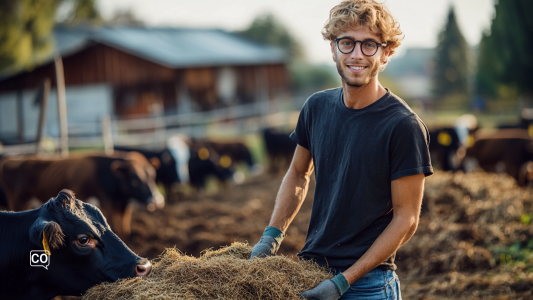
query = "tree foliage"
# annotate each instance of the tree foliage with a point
(268, 30)
(312, 78)
(84, 12)
(505, 58)
(451, 60)
(124, 17)
(25, 27)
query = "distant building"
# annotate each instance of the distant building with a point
(127, 72)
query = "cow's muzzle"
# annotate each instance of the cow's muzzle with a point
(143, 268)
(156, 202)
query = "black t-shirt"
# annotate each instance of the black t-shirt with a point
(356, 153)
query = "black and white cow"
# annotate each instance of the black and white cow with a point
(83, 250)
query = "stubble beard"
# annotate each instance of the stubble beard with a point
(356, 82)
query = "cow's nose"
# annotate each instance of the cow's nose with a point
(156, 202)
(143, 268)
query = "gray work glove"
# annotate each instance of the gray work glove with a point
(329, 289)
(269, 243)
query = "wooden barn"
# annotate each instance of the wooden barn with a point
(133, 72)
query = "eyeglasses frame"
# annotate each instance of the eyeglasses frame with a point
(360, 45)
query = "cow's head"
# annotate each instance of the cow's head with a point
(84, 250)
(168, 171)
(137, 179)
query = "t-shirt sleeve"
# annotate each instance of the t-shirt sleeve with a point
(409, 151)
(301, 133)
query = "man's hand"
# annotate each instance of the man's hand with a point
(329, 289)
(269, 243)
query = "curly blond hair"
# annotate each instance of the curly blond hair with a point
(353, 14)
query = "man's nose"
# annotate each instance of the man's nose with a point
(357, 53)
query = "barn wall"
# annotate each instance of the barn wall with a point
(95, 64)
(84, 104)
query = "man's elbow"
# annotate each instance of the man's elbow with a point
(408, 222)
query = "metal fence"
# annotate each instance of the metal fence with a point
(155, 130)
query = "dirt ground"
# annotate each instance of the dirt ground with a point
(468, 222)
(474, 240)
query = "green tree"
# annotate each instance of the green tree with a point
(308, 78)
(84, 12)
(451, 61)
(25, 32)
(268, 30)
(505, 61)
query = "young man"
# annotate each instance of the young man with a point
(369, 151)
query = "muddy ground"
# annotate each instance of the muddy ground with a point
(474, 240)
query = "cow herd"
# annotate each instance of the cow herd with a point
(85, 232)
(508, 149)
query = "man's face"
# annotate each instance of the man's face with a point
(355, 68)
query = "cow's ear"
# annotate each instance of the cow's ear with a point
(155, 162)
(119, 168)
(54, 234)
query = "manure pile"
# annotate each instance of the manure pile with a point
(205, 221)
(223, 274)
(468, 222)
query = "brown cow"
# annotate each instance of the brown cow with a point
(507, 150)
(113, 180)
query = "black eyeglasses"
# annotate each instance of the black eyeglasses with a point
(368, 47)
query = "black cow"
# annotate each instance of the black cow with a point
(166, 167)
(443, 147)
(83, 251)
(280, 149)
(238, 151)
(3, 200)
(205, 162)
(112, 180)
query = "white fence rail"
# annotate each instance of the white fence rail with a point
(155, 130)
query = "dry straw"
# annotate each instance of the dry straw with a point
(222, 274)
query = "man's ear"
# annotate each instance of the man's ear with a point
(333, 51)
(385, 56)
(54, 234)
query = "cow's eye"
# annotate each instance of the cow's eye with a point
(84, 240)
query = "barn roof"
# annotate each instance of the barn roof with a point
(172, 47)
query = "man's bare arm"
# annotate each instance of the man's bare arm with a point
(293, 189)
(407, 195)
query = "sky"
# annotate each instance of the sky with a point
(420, 20)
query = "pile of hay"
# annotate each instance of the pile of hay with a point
(222, 274)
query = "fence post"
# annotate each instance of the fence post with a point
(107, 135)
(61, 105)
(42, 97)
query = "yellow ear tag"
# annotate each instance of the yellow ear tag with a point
(444, 139)
(225, 161)
(471, 140)
(203, 153)
(45, 245)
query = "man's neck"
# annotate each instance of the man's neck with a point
(361, 97)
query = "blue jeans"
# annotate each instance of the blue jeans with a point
(375, 285)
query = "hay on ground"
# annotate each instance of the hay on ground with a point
(222, 274)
